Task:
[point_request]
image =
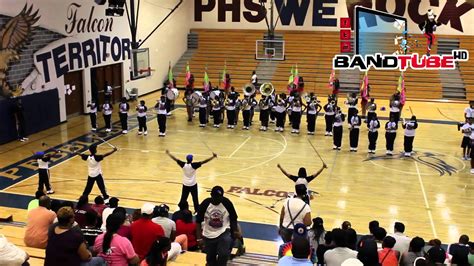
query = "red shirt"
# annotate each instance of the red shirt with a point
(189, 229)
(144, 233)
(388, 257)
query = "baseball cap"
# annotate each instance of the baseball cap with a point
(217, 191)
(299, 230)
(163, 209)
(39, 153)
(189, 157)
(148, 208)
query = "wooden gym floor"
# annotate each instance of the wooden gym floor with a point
(432, 193)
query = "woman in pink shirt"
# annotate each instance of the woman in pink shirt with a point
(116, 250)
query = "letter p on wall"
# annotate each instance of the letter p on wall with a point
(200, 6)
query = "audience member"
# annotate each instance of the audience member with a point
(300, 250)
(113, 203)
(55, 205)
(158, 254)
(367, 253)
(66, 246)
(11, 255)
(218, 219)
(99, 205)
(388, 256)
(346, 225)
(185, 225)
(82, 208)
(178, 242)
(37, 223)
(414, 251)
(316, 233)
(352, 262)
(436, 255)
(379, 235)
(91, 229)
(178, 215)
(372, 226)
(341, 252)
(294, 211)
(460, 251)
(35, 202)
(470, 257)
(144, 231)
(115, 249)
(299, 231)
(402, 241)
(351, 236)
(124, 229)
(323, 247)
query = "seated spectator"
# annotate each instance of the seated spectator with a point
(185, 225)
(144, 231)
(55, 205)
(402, 241)
(323, 247)
(414, 251)
(316, 233)
(35, 202)
(436, 255)
(300, 250)
(82, 208)
(124, 229)
(372, 226)
(99, 205)
(137, 214)
(38, 221)
(351, 235)
(379, 235)
(12, 255)
(178, 215)
(113, 203)
(91, 230)
(470, 257)
(66, 246)
(115, 249)
(352, 262)
(460, 251)
(367, 253)
(158, 254)
(388, 256)
(341, 252)
(294, 211)
(285, 248)
(178, 242)
(346, 225)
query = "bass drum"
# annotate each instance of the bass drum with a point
(172, 94)
(196, 98)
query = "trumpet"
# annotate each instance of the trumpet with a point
(249, 89)
(267, 89)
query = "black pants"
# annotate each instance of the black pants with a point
(311, 119)
(252, 112)
(100, 184)
(390, 139)
(350, 113)
(194, 194)
(296, 117)
(190, 111)
(93, 117)
(107, 119)
(370, 115)
(230, 117)
(161, 122)
(280, 117)
(395, 116)
(142, 123)
(329, 122)
(169, 105)
(21, 128)
(123, 120)
(373, 136)
(237, 112)
(43, 181)
(246, 114)
(408, 143)
(354, 137)
(264, 114)
(273, 115)
(218, 249)
(203, 115)
(216, 115)
(337, 136)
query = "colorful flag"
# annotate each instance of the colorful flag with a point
(331, 78)
(188, 74)
(206, 81)
(401, 88)
(170, 76)
(224, 80)
(292, 76)
(364, 87)
(296, 76)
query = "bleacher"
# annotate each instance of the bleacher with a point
(467, 68)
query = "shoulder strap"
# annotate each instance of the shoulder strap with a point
(292, 221)
(385, 257)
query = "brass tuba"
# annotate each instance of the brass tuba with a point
(249, 89)
(267, 89)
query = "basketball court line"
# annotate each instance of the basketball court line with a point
(240, 146)
(427, 205)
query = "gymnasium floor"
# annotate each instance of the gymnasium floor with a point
(432, 193)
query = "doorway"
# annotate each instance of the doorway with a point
(74, 93)
(111, 74)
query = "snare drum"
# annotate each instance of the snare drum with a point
(172, 94)
(195, 98)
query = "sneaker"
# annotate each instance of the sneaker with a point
(94, 129)
(334, 147)
(330, 133)
(326, 133)
(146, 133)
(355, 149)
(218, 126)
(338, 148)
(264, 128)
(277, 129)
(407, 154)
(124, 131)
(22, 140)
(50, 191)
(139, 132)
(297, 131)
(108, 130)
(472, 171)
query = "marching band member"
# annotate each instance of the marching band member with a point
(352, 105)
(273, 102)
(296, 110)
(373, 134)
(203, 104)
(371, 109)
(280, 110)
(337, 128)
(93, 114)
(230, 112)
(410, 128)
(107, 113)
(469, 111)
(247, 104)
(43, 160)
(312, 111)
(169, 102)
(265, 106)
(123, 113)
(354, 130)
(189, 102)
(466, 129)
(216, 106)
(234, 95)
(329, 109)
(141, 116)
(395, 107)
(252, 107)
(390, 134)
(107, 92)
(161, 111)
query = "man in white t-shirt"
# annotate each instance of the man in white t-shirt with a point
(189, 177)
(469, 111)
(294, 211)
(467, 129)
(113, 204)
(402, 243)
(341, 252)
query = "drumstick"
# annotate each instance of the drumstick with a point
(316, 151)
(205, 144)
(104, 141)
(411, 111)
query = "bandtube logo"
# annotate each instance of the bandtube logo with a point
(400, 62)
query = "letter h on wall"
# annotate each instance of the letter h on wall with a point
(345, 35)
